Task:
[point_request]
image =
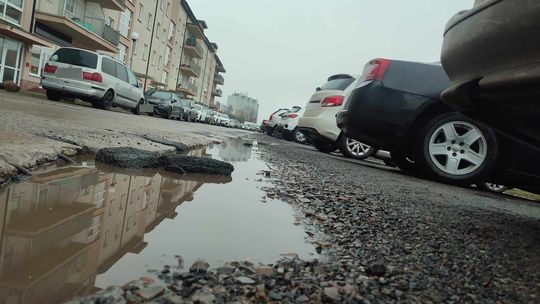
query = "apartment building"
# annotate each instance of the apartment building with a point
(243, 107)
(172, 51)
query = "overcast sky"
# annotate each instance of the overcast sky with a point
(279, 51)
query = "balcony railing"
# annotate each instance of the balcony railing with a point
(193, 87)
(81, 14)
(189, 88)
(219, 79)
(196, 68)
(217, 92)
(192, 42)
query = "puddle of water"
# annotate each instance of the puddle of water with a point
(72, 230)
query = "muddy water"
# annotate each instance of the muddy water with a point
(71, 231)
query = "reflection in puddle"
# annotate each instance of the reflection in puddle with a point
(73, 230)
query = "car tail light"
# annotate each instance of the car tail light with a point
(293, 115)
(265, 122)
(96, 77)
(50, 69)
(332, 101)
(375, 69)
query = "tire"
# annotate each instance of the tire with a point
(324, 145)
(53, 95)
(493, 187)
(106, 102)
(169, 114)
(137, 109)
(299, 137)
(457, 150)
(354, 149)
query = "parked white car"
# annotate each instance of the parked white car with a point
(92, 77)
(274, 120)
(288, 124)
(224, 120)
(319, 119)
(195, 113)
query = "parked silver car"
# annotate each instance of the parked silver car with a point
(92, 77)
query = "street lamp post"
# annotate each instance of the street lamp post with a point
(134, 38)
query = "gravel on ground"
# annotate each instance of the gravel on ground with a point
(384, 237)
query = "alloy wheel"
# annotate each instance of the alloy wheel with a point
(357, 148)
(299, 136)
(458, 148)
(109, 96)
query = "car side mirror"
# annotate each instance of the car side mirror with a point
(318, 89)
(174, 101)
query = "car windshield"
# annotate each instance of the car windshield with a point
(76, 57)
(161, 95)
(339, 84)
(185, 103)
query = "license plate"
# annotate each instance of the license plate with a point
(146, 108)
(70, 73)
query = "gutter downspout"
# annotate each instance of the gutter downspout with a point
(181, 56)
(33, 18)
(150, 48)
(204, 74)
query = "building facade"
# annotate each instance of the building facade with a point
(243, 107)
(172, 51)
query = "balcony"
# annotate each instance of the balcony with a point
(218, 79)
(217, 92)
(220, 68)
(75, 19)
(192, 49)
(195, 30)
(117, 5)
(189, 89)
(190, 69)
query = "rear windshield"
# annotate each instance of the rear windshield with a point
(338, 84)
(161, 95)
(76, 57)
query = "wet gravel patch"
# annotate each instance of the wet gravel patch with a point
(395, 238)
(383, 237)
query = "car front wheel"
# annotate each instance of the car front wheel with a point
(299, 137)
(458, 150)
(354, 149)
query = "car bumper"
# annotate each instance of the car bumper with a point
(322, 125)
(161, 111)
(493, 45)
(379, 116)
(73, 90)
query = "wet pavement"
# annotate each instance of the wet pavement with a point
(72, 231)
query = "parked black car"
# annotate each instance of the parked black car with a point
(491, 54)
(166, 103)
(397, 106)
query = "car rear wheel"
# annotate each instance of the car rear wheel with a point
(106, 102)
(324, 145)
(299, 137)
(54, 95)
(354, 149)
(456, 149)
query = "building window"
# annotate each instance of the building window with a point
(106, 239)
(154, 58)
(160, 60)
(11, 11)
(164, 77)
(118, 231)
(125, 23)
(167, 12)
(158, 29)
(167, 56)
(141, 11)
(145, 52)
(171, 31)
(122, 50)
(149, 23)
